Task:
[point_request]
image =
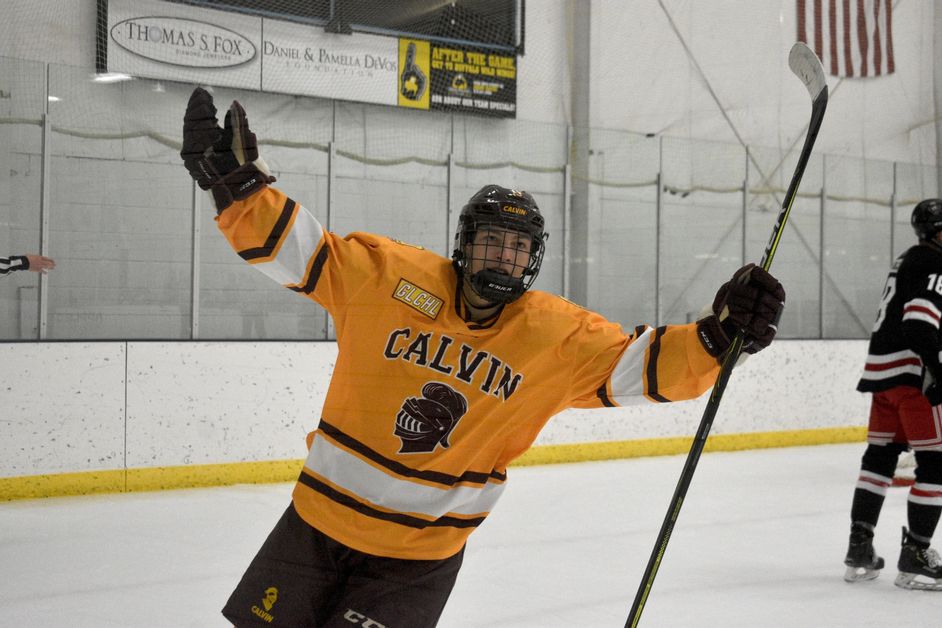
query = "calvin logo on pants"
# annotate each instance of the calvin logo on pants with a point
(271, 596)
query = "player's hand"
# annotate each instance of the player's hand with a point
(222, 159)
(752, 301)
(40, 263)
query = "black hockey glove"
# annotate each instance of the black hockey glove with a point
(752, 301)
(224, 160)
(931, 388)
(934, 394)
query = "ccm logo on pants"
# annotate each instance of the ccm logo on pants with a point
(361, 620)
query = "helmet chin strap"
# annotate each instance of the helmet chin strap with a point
(473, 306)
(496, 287)
(484, 304)
(934, 243)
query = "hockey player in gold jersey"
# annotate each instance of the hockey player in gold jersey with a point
(446, 372)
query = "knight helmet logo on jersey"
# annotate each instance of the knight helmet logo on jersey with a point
(425, 422)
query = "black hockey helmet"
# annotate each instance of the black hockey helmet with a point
(927, 218)
(502, 208)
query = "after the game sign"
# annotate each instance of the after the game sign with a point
(455, 78)
(474, 80)
(162, 40)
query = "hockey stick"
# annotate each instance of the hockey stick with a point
(806, 66)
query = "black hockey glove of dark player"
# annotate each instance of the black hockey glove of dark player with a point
(934, 394)
(752, 301)
(931, 387)
(224, 160)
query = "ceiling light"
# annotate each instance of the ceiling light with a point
(111, 77)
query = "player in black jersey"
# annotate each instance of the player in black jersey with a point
(904, 374)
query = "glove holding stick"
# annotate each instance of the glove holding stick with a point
(751, 301)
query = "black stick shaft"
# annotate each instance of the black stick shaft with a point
(680, 492)
(726, 370)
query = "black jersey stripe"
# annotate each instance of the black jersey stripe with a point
(402, 519)
(315, 275)
(603, 397)
(445, 479)
(274, 237)
(879, 385)
(654, 351)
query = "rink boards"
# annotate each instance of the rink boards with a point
(124, 416)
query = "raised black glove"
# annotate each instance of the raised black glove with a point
(752, 301)
(224, 160)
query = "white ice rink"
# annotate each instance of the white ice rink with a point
(759, 542)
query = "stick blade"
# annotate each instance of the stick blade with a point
(807, 67)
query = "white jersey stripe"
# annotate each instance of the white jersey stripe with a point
(628, 377)
(922, 310)
(924, 303)
(387, 491)
(891, 357)
(915, 315)
(290, 265)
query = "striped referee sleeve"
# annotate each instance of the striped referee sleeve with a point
(16, 262)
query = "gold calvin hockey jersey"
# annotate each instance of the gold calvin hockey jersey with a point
(424, 410)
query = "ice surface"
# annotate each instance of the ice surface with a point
(760, 542)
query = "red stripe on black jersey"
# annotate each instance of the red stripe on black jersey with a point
(913, 277)
(924, 310)
(891, 365)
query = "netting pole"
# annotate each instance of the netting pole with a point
(44, 201)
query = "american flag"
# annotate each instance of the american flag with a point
(851, 37)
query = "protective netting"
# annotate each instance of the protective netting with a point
(486, 22)
(91, 169)
(454, 56)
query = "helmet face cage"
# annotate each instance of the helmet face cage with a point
(927, 218)
(494, 207)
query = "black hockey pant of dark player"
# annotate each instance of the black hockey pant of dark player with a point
(301, 578)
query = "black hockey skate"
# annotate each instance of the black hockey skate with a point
(919, 566)
(861, 560)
